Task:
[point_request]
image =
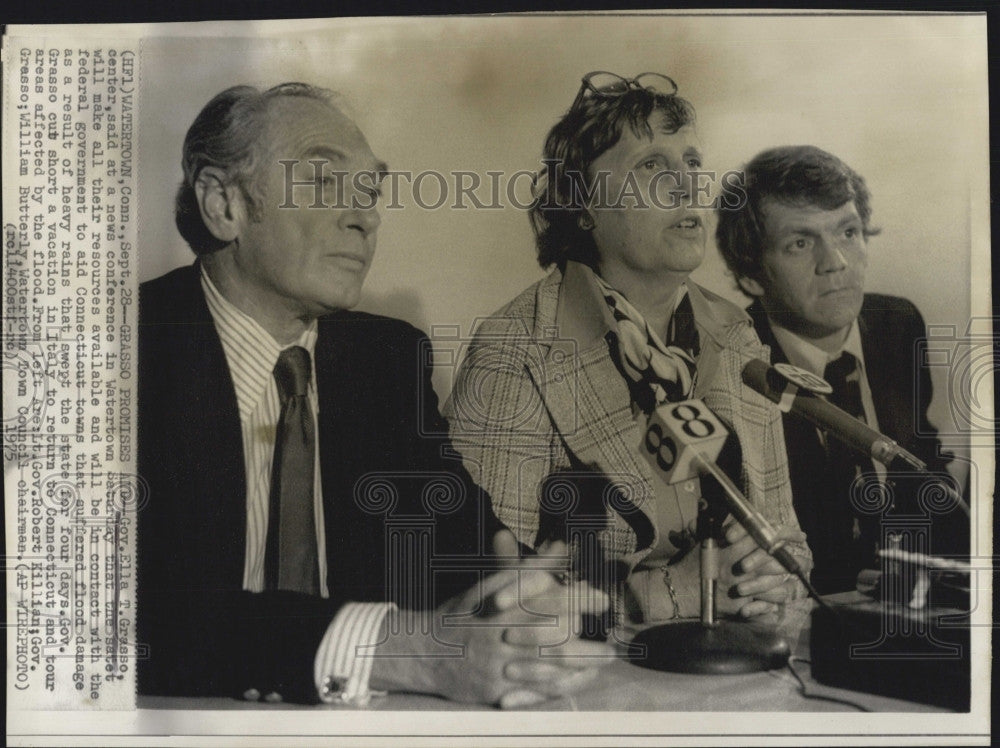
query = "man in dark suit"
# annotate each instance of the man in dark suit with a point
(298, 514)
(796, 241)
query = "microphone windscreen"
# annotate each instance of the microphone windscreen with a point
(678, 431)
(761, 377)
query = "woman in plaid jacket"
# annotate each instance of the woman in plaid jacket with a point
(552, 401)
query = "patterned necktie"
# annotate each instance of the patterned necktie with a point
(849, 470)
(844, 376)
(668, 367)
(291, 559)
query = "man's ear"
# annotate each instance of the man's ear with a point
(751, 286)
(220, 203)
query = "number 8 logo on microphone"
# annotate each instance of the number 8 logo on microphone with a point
(676, 433)
(662, 448)
(688, 414)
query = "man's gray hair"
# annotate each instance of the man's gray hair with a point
(226, 135)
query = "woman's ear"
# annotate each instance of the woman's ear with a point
(220, 203)
(751, 286)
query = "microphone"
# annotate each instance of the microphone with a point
(794, 390)
(682, 441)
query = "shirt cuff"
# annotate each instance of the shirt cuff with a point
(344, 659)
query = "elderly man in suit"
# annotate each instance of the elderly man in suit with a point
(796, 238)
(295, 514)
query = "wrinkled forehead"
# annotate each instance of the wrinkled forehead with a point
(803, 187)
(807, 203)
(660, 129)
(301, 127)
(654, 133)
(782, 214)
(660, 121)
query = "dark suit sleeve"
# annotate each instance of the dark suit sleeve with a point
(378, 417)
(227, 642)
(927, 445)
(199, 633)
(468, 530)
(951, 529)
(203, 635)
(904, 327)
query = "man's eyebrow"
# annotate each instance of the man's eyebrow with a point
(332, 154)
(324, 151)
(847, 220)
(796, 229)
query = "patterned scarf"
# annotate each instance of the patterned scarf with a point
(668, 367)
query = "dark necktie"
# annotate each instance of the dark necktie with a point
(844, 376)
(846, 465)
(683, 332)
(290, 561)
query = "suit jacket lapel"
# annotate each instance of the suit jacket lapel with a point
(879, 374)
(763, 327)
(208, 411)
(805, 451)
(585, 394)
(331, 380)
(580, 384)
(711, 339)
(588, 398)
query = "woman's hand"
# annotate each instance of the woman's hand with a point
(751, 582)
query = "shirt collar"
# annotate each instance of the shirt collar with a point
(583, 315)
(251, 351)
(635, 315)
(805, 355)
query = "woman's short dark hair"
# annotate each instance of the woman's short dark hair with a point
(573, 144)
(796, 175)
(226, 135)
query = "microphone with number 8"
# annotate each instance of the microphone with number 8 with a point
(682, 441)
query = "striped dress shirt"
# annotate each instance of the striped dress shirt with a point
(341, 675)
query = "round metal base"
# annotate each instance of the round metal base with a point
(726, 648)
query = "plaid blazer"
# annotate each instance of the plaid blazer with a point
(538, 396)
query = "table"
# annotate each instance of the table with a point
(623, 686)
(626, 687)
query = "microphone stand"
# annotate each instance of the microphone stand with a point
(710, 645)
